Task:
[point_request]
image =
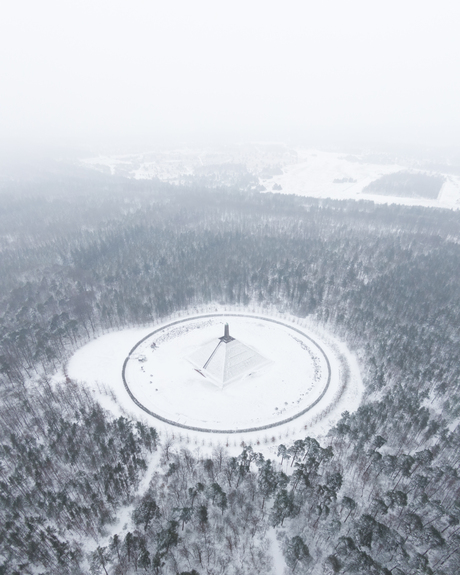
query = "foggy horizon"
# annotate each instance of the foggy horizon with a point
(112, 74)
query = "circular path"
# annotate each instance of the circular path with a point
(161, 380)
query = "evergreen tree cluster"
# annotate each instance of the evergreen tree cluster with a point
(66, 469)
(199, 515)
(407, 185)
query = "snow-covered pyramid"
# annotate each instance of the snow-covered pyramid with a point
(226, 359)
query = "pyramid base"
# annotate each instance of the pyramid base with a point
(224, 362)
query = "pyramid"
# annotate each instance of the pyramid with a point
(226, 359)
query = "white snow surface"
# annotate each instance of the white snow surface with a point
(279, 564)
(178, 392)
(302, 171)
(314, 173)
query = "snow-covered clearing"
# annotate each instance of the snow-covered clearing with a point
(300, 171)
(179, 392)
(314, 173)
(163, 379)
(279, 564)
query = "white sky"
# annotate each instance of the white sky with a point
(87, 71)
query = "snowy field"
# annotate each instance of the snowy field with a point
(303, 172)
(163, 379)
(314, 174)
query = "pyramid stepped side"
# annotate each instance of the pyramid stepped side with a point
(240, 360)
(223, 362)
(215, 365)
(203, 353)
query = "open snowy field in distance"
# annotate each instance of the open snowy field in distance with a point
(300, 171)
(314, 174)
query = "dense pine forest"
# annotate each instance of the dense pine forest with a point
(82, 252)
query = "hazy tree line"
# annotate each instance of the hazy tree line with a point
(407, 185)
(382, 496)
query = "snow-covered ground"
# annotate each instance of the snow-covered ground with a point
(180, 393)
(163, 379)
(300, 171)
(314, 174)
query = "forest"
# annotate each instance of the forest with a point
(407, 185)
(83, 252)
